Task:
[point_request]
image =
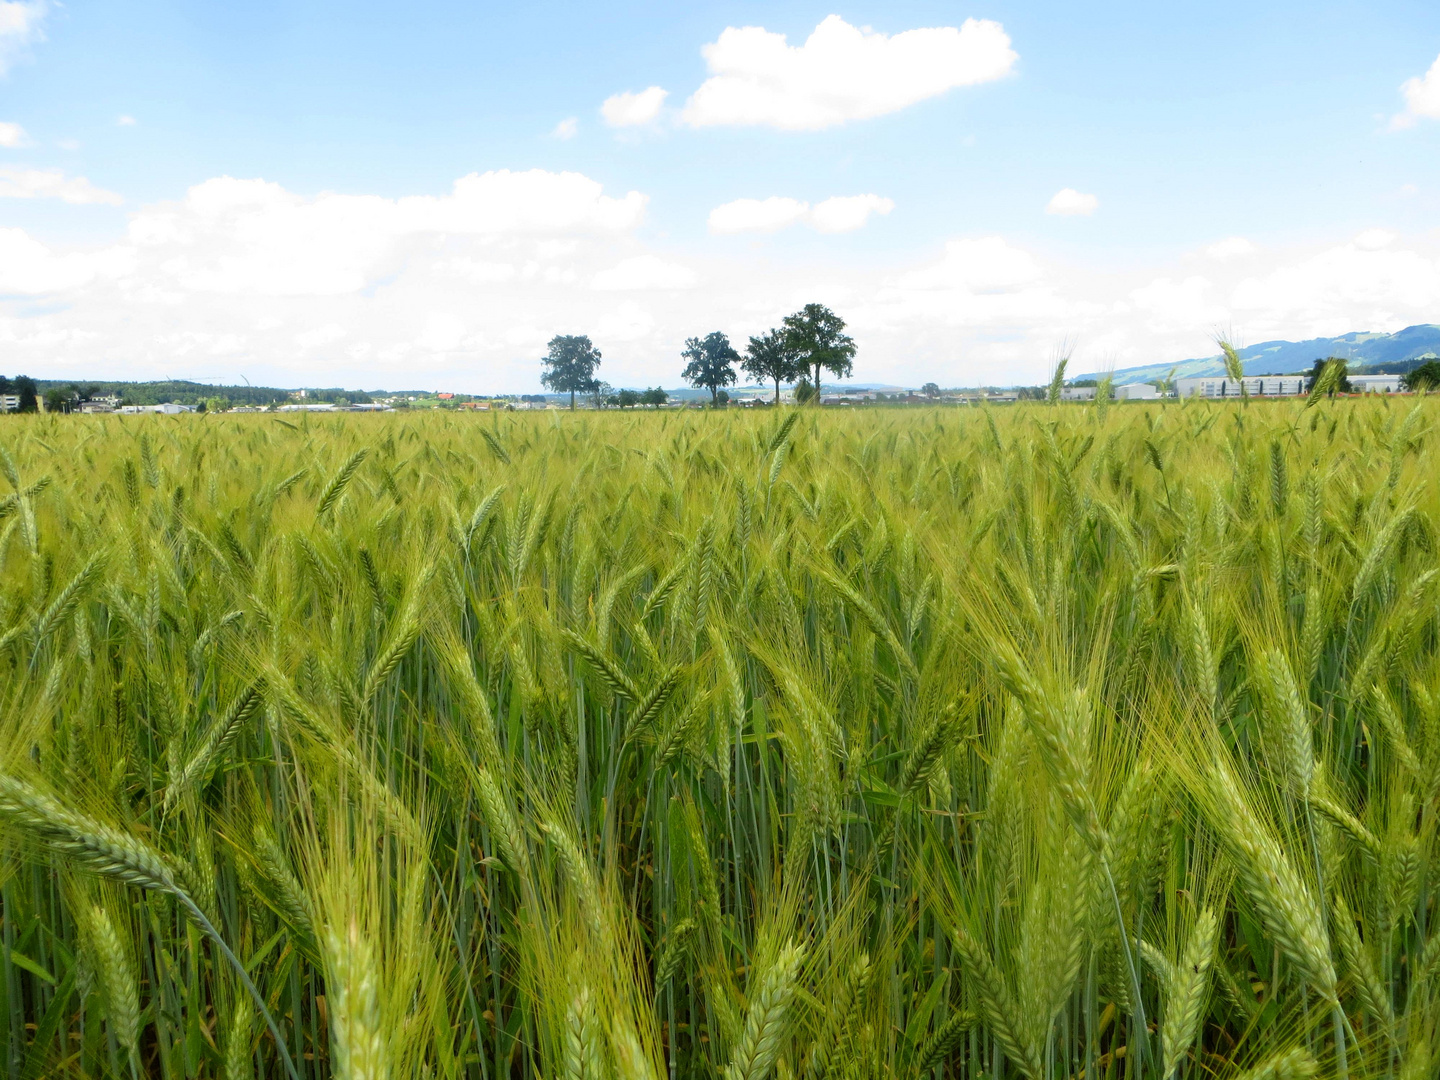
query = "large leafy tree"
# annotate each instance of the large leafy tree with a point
(712, 363)
(816, 338)
(25, 390)
(570, 365)
(1424, 377)
(768, 358)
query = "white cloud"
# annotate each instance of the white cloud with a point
(19, 26)
(1374, 239)
(250, 236)
(125, 120)
(989, 264)
(13, 135)
(757, 215)
(1422, 98)
(30, 268)
(647, 272)
(841, 73)
(1178, 305)
(53, 184)
(476, 271)
(842, 213)
(1068, 202)
(628, 322)
(320, 336)
(1362, 285)
(566, 128)
(846, 213)
(1233, 247)
(1409, 189)
(633, 109)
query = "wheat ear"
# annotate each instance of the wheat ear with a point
(357, 1044)
(766, 1018)
(1185, 1002)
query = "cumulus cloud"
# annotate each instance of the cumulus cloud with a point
(1422, 98)
(1232, 247)
(757, 215)
(53, 184)
(1170, 305)
(30, 268)
(19, 26)
(628, 322)
(987, 264)
(12, 135)
(250, 236)
(125, 120)
(841, 72)
(846, 213)
(1366, 284)
(841, 213)
(633, 109)
(644, 272)
(1067, 202)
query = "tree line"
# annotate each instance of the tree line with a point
(804, 344)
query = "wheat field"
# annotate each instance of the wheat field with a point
(1044, 742)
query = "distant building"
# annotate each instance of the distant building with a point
(1142, 391)
(1077, 393)
(1217, 386)
(1380, 383)
(314, 406)
(169, 408)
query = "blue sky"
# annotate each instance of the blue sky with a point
(269, 190)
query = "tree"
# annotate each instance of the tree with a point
(570, 365)
(804, 391)
(816, 337)
(628, 399)
(1425, 377)
(931, 390)
(25, 390)
(768, 359)
(712, 363)
(654, 397)
(57, 400)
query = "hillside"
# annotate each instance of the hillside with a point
(1362, 349)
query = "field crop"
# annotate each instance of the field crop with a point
(1046, 742)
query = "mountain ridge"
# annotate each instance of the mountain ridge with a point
(1361, 347)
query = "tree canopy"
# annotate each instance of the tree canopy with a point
(570, 365)
(712, 363)
(816, 338)
(1425, 377)
(768, 359)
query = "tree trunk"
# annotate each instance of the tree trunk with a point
(817, 385)
(715, 395)
(572, 400)
(777, 391)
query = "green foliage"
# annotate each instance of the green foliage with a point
(759, 745)
(569, 365)
(710, 363)
(815, 338)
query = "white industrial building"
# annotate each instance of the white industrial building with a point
(169, 407)
(1376, 384)
(1140, 391)
(1214, 386)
